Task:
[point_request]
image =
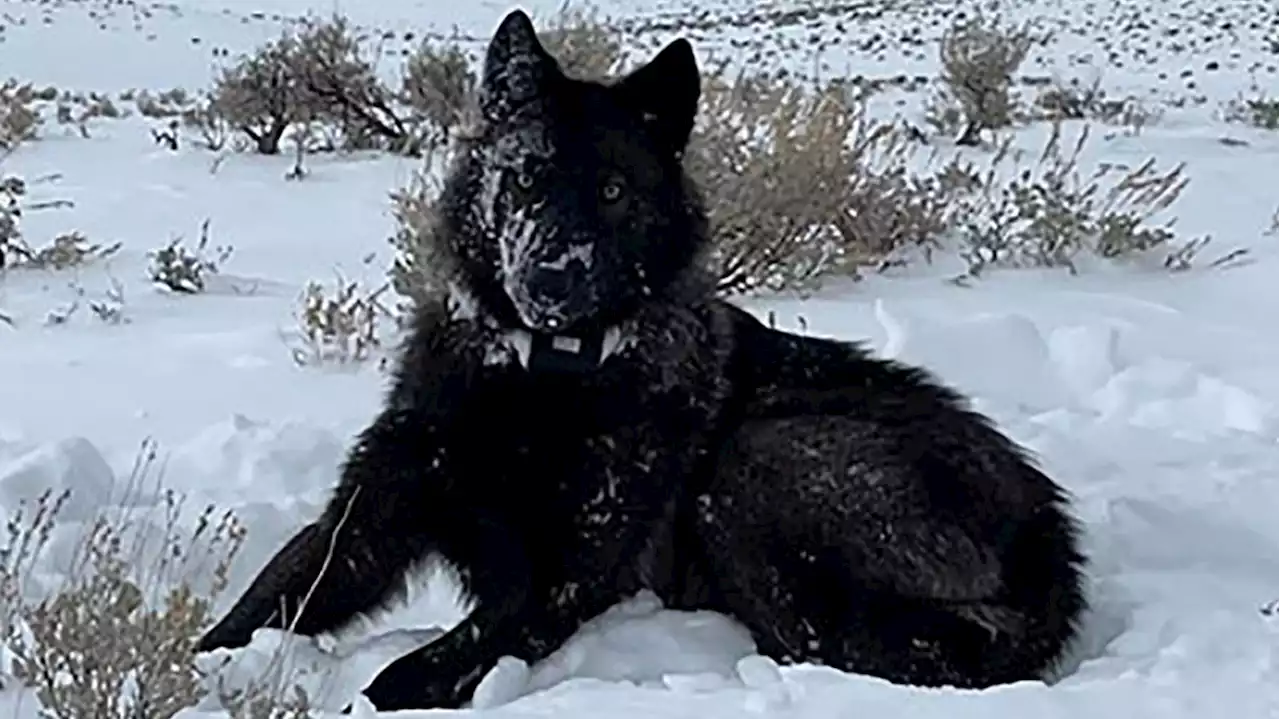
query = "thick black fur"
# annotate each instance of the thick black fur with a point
(850, 511)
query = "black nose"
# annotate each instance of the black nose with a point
(554, 283)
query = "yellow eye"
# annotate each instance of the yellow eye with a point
(611, 191)
(524, 181)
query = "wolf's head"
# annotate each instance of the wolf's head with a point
(569, 205)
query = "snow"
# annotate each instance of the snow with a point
(1151, 396)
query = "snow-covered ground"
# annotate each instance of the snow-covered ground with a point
(1151, 396)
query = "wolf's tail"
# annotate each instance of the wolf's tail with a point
(1045, 580)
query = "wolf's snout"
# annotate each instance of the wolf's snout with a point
(552, 284)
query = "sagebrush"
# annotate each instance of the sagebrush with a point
(115, 638)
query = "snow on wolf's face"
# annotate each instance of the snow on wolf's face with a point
(578, 184)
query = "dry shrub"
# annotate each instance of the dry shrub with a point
(19, 119)
(339, 326)
(178, 269)
(116, 640)
(1049, 214)
(70, 249)
(438, 86)
(417, 269)
(1076, 101)
(801, 183)
(259, 96)
(1259, 111)
(342, 90)
(583, 42)
(320, 75)
(979, 57)
(316, 74)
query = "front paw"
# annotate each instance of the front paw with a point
(223, 637)
(405, 684)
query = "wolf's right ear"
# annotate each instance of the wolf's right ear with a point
(665, 92)
(516, 67)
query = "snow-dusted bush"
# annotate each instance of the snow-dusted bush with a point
(69, 249)
(1050, 213)
(116, 638)
(1259, 111)
(338, 325)
(979, 56)
(19, 118)
(801, 183)
(321, 74)
(178, 269)
(583, 42)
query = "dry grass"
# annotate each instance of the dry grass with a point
(1261, 111)
(339, 325)
(583, 42)
(416, 272)
(1052, 212)
(19, 119)
(69, 249)
(1079, 101)
(116, 638)
(979, 57)
(801, 183)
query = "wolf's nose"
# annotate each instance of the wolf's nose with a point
(552, 283)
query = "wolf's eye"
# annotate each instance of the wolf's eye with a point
(524, 180)
(611, 190)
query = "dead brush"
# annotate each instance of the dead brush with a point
(66, 250)
(70, 249)
(979, 57)
(583, 42)
(19, 119)
(1049, 214)
(438, 85)
(116, 639)
(1259, 111)
(339, 326)
(260, 95)
(418, 263)
(178, 269)
(800, 184)
(1075, 101)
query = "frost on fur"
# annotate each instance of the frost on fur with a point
(175, 268)
(116, 638)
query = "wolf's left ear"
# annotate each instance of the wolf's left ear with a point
(665, 93)
(516, 67)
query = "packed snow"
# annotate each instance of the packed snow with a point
(1152, 396)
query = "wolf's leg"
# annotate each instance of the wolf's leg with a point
(380, 520)
(823, 546)
(446, 672)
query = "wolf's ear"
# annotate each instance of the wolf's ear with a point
(665, 93)
(516, 67)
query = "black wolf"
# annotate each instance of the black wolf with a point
(599, 423)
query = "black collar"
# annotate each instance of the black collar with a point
(565, 353)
